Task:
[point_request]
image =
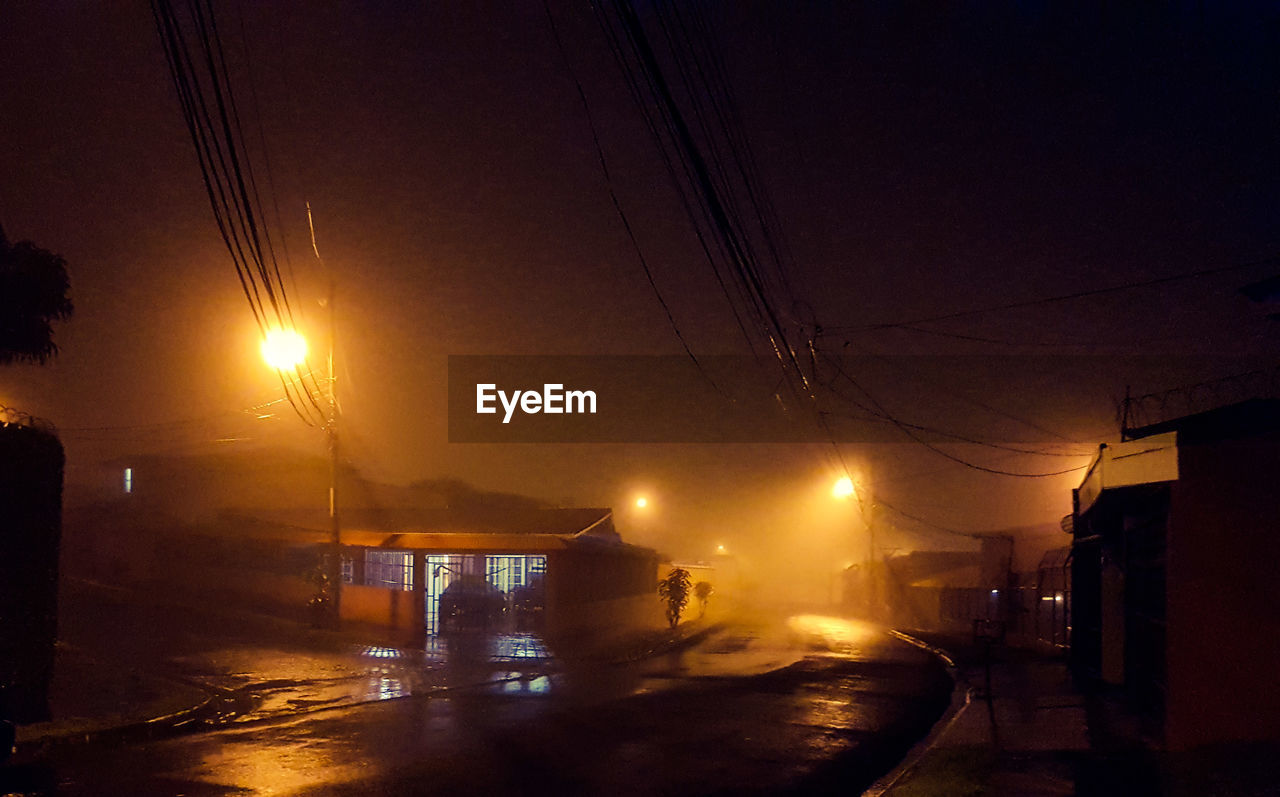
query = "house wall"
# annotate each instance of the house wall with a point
(114, 545)
(1223, 628)
(606, 618)
(399, 609)
(600, 592)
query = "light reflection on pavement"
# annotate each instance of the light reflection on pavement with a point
(758, 706)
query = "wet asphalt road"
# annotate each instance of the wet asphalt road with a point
(819, 707)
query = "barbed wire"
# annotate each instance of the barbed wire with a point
(1152, 408)
(12, 416)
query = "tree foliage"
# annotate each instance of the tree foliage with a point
(33, 294)
(674, 589)
(702, 591)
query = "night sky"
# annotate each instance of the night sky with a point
(921, 164)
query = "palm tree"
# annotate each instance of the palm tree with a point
(674, 589)
(33, 294)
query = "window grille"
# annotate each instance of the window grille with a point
(388, 569)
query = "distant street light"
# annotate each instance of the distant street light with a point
(642, 502)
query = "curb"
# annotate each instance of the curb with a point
(135, 730)
(961, 699)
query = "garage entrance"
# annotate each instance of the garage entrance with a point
(479, 592)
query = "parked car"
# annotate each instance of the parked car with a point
(471, 603)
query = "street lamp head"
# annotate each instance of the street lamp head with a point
(642, 502)
(843, 487)
(284, 349)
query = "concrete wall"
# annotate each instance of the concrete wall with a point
(31, 468)
(1222, 568)
(115, 546)
(396, 608)
(600, 591)
(606, 618)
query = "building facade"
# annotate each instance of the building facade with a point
(1172, 560)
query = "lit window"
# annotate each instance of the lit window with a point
(128, 480)
(388, 569)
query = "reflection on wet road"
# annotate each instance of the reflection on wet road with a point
(811, 704)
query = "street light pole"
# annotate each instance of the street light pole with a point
(843, 489)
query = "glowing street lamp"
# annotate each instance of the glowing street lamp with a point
(642, 502)
(284, 349)
(843, 487)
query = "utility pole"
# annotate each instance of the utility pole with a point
(335, 526)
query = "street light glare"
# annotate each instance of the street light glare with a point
(284, 349)
(843, 487)
(641, 503)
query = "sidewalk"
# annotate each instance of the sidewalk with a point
(1038, 736)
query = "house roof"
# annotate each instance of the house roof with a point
(1251, 418)
(414, 520)
(449, 530)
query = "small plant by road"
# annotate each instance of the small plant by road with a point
(702, 591)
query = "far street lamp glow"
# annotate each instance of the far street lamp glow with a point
(642, 502)
(843, 487)
(284, 349)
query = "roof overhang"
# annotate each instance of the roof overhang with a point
(1150, 460)
(446, 542)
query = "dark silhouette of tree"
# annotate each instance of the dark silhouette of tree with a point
(33, 294)
(674, 589)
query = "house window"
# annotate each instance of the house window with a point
(128, 480)
(388, 569)
(348, 570)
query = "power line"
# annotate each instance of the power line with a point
(613, 196)
(699, 169)
(1054, 299)
(213, 122)
(908, 430)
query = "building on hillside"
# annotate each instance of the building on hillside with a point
(1172, 561)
